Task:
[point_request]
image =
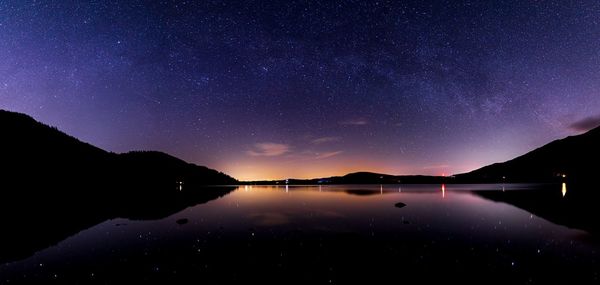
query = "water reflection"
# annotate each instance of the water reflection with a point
(443, 190)
(345, 227)
(579, 210)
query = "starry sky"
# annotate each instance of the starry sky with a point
(276, 89)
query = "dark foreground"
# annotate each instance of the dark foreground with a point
(313, 235)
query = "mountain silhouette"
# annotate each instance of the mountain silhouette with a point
(362, 177)
(567, 159)
(572, 158)
(36, 154)
(566, 166)
(53, 185)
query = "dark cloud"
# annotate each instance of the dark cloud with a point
(586, 124)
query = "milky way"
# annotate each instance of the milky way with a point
(274, 89)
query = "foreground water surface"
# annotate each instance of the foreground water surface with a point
(327, 235)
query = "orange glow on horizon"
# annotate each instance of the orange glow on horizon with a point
(285, 167)
(271, 169)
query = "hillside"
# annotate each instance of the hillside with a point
(36, 154)
(54, 185)
(574, 157)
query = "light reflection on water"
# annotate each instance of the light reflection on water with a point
(309, 222)
(352, 201)
(443, 190)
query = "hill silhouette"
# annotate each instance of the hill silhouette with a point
(53, 185)
(573, 157)
(34, 153)
(362, 177)
(567, 166)
(570, 157)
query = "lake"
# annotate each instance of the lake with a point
(334, 234)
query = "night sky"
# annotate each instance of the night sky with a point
(276, 89)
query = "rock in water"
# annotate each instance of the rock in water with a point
(400, 205)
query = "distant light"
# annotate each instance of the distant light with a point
(443, 190)
(564, 175)
(564, 189)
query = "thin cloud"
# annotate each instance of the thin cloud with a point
(324, 140)
(439, 166)
(328, 154)
(586, 124)
(357, 122)
(269, 149)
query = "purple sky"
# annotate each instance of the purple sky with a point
(307, 88)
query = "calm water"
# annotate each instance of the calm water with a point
(326, 235)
